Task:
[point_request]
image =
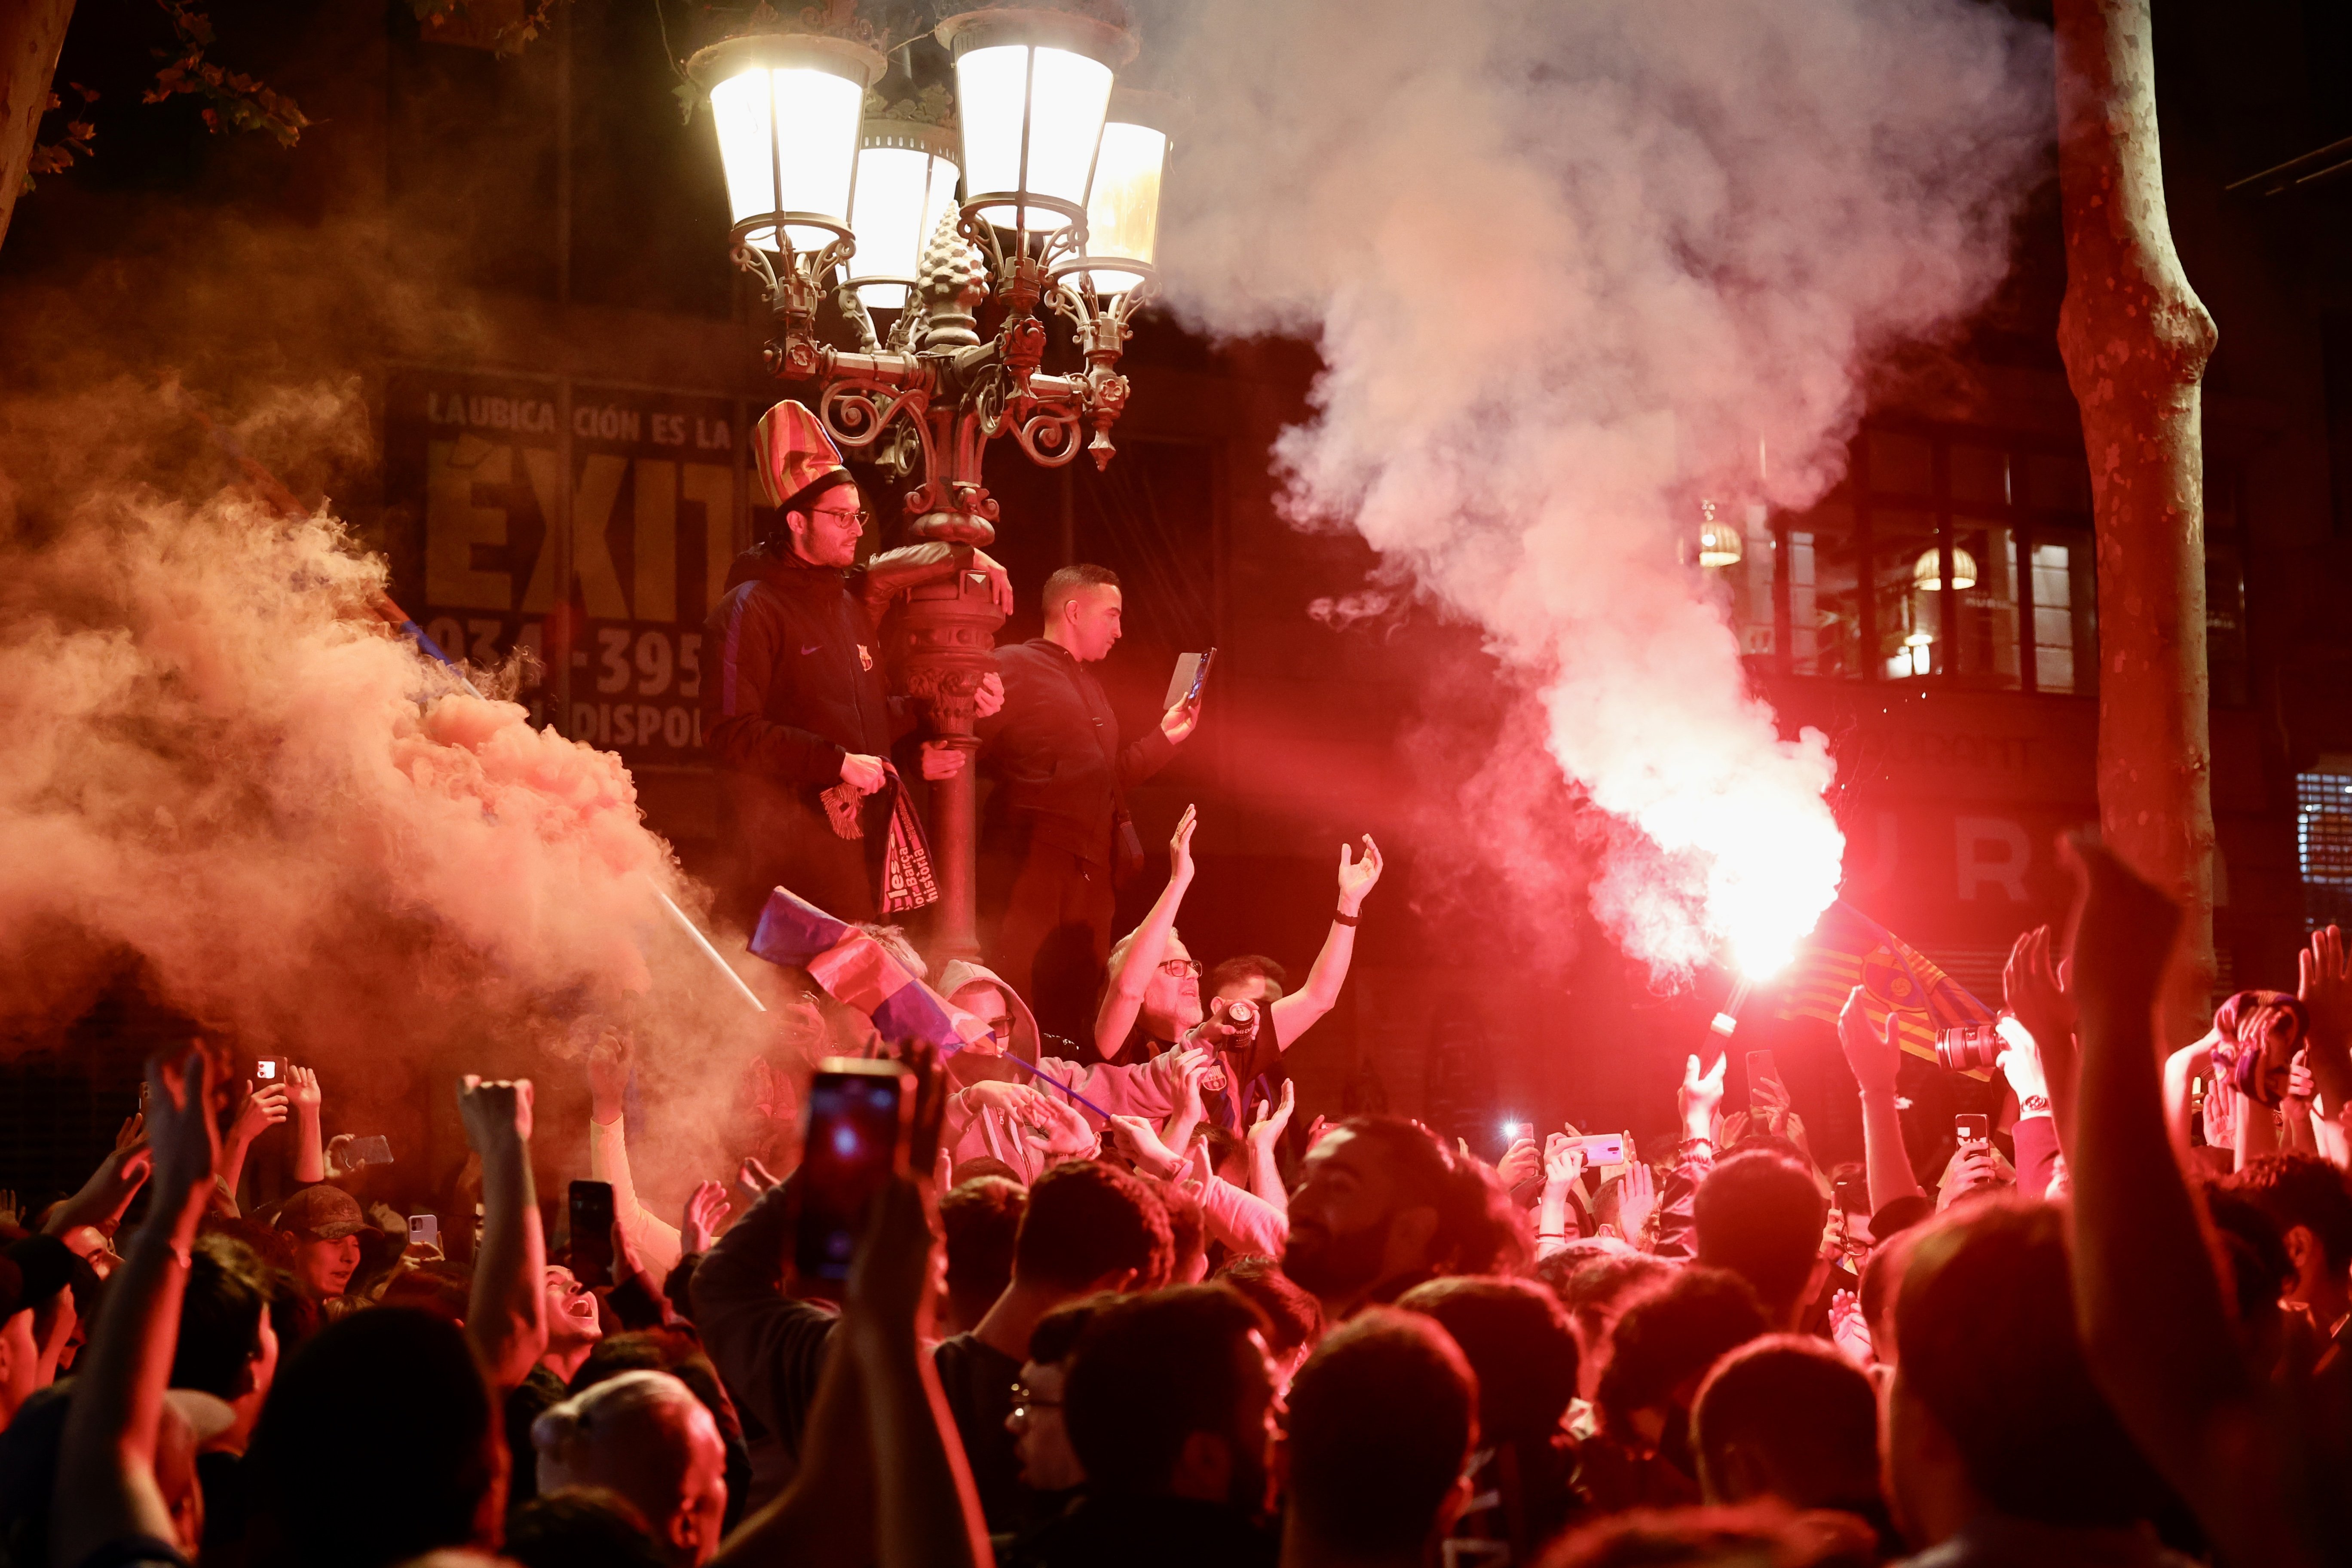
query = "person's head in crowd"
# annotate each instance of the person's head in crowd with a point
(978, 1168)
(1882, 1277)
(1188, 1231)
(1760, 1214)
(1516, 1335)
(573, 1326)
(1383, 1420)
(2307, 1199)
(1596, 1285)
(1753, 1535)
(579, 1527)
(1091, 1227)
(1660, 1351)
(1893, 1217)
(1250, 977)
(1381, 1205)
(1293, 1321)
(1786, 1416)
(1041, 1437)
(438, 1287)
(1171, 1395)
(982, 1219)
(320, 1228)
(1082, 605)
(1172, 992)
(394, 1396)
(1993, 1410)
(677, 1352)
(2260, 1272)
(227, 1346)
(189, 1419)
(645, 1436)
(822, 521)
(1228, 1153)
(2260, 1032)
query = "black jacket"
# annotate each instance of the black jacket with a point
(796, 684)
(1054, 749)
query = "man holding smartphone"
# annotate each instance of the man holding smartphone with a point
(1058, 840)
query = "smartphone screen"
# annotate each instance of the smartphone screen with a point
(1972, 1129)
(265, 1069)
(591, 1232)
(859, 1112)
(1602, 1148)
(424, 1230)
(1761, 1070)
(1852, 1195)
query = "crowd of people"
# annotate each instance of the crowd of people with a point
(1160, 1327)
(1116, 1302)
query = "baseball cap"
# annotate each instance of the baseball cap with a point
(323, 1213)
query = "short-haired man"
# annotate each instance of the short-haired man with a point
(645, 1436)
(1057, 839)
(1087, 1228)
(1760, 1214)
(1787, 1417)
(2307, 1199)
(1170, 1405)
(1382, 1205)
(1999, 1446)
(1383, 1418)
(1658, 1352)
(795, 709)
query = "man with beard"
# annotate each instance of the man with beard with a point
(1381, 1206)
(1170, 1405)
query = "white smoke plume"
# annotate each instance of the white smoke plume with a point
(1571, 264)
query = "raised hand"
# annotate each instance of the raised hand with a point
(1180, 844)
(1140, 1142)
(1358, 877)
(2021, 1065)
(1272, 1117)
(1637, 1199)
(2221, 1112)
(1521, 1164)
(1698, 1096)
(1563, 1162)
(2123, 936)
(1875, 1054)
(2326, 986)
(181, 1133)
(1850, 1331)
(1179, 722)
(704, 1207)
(1060, 1127)
(302, 1090)
(2033, 987)
(257, 1112)
(496, 1114)
(754, 1177)
(133, 1131)
(609, 1062)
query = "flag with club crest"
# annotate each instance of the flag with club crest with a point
(1850, 949)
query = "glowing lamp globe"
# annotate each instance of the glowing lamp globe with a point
(786, 107)
(1928, 574)
(1719, 544)
(906, 183)
(1123, 195)
(1032, 90)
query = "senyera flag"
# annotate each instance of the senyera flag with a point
(1850, 949)
(859, 972)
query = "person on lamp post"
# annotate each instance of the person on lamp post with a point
(1058, 839)
(796, 713)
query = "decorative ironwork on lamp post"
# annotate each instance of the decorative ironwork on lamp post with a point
(1061, 173)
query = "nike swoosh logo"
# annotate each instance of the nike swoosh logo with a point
(810, 648)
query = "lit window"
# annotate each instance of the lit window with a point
(2323, 846)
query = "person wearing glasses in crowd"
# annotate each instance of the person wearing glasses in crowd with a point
(795, 711)
(1152, 1003)
(1057, 841)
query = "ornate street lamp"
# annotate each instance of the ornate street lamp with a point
(1061, 173)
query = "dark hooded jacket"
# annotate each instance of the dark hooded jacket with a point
(795, 684)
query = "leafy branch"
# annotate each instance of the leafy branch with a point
(231, 97)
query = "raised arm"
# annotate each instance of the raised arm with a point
(309, 1142)
(108, 1194)
(656, 1240)
(1264, 1136)
(1876, 1058)
(2183, 1390)
(2327, 992)
(1124, 997)
(1295, 1014)
(257, 1112)
(506, 1315)
(106, 1492)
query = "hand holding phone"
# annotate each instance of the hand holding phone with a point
(1974, 1130)
(860, 1116)
(424, 1230)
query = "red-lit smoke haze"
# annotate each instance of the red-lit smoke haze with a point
(1567, 265)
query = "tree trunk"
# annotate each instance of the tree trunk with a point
(2135, 339)
(31, 34)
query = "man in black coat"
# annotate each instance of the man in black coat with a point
(1057, 835)
(795, 705)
